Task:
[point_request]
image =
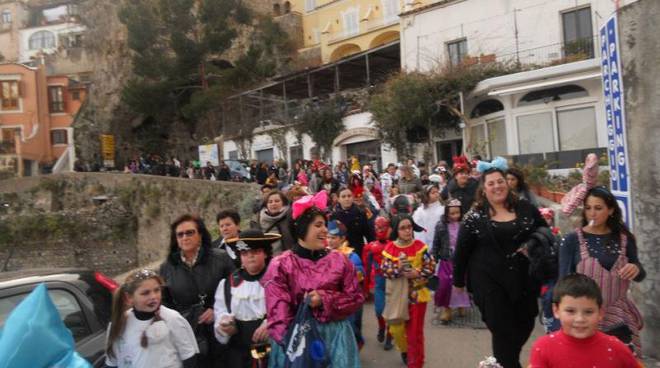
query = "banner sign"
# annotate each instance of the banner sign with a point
(209, 153)
(108, 150)
(615, 116)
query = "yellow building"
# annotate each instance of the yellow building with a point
(345, 27)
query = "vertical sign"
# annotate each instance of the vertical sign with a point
(615, 115)
(209, 153)
(108, 150)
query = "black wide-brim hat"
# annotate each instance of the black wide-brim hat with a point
(253, 239)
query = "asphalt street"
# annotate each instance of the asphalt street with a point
(446, 346)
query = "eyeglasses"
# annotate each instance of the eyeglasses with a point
(187, 233)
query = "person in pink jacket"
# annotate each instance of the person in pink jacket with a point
(327, 277)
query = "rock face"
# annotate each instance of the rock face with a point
(641, 81)
(103, 112)
(107, 222)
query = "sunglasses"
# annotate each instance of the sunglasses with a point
(187, 233)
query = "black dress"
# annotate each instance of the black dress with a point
(498, 276)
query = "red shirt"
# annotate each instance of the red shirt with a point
(558, 350)
(373, 252)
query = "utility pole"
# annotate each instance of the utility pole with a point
(515, 25)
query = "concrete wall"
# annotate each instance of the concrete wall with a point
(640, 50)
(53, 221)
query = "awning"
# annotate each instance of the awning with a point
(543, 84)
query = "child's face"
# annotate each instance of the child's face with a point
(335, 241)
(454, 214)
(147, 296)
(579, 317)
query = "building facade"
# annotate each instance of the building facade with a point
(36, 112)
(13, 17)
(554, 111)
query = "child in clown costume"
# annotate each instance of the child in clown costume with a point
(407, 266)
(372, 260)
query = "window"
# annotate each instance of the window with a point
(316, 35)
(351, 22)
(457, 51)
(497, 138)
(578, 32)
(42, 40)
(67, 305)
(391, 9)
(72, 40)
(486, 107)
(75, 95)
(233, 155)
(6, 16)
(59, 136)
(295, 154)
(310, 5)
(577, 129)
(56, 99)
(478, 142)
(9, 95)
(536, 133)
(552, 94)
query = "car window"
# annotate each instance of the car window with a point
(67, 305)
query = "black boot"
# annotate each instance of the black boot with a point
(404, 357)
(381, 335)
(388, 343)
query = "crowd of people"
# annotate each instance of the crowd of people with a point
(289, 291)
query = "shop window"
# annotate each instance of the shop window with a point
(577, 129)
(497, 138)
(457, 51)
(535, 133)
(56, 99)
(578, 32)
(9, 94)
(486, 107)
(42, 40)
(59, 136)
(561, 93)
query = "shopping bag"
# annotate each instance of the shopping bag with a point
(304, 347)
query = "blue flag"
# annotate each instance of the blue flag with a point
(34, 336)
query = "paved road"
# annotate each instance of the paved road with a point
(446, 347)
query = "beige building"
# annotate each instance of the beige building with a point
(13, 16)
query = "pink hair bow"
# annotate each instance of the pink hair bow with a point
(575, 196)
(319, 200)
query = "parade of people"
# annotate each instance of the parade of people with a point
(329, 184)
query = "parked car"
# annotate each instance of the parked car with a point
(238, 170)
(82, 297)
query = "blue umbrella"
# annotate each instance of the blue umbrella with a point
(34, 336)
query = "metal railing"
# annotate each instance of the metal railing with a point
(554, 54)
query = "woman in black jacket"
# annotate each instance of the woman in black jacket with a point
(491, 254)
(192, 272)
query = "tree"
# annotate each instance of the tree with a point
(177, 57)
(323, 122)
(411, 106)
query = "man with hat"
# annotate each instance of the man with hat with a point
(337, 240)
(462, 186)
(240, 302)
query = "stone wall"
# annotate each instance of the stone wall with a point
(640, 51)
(103, 221)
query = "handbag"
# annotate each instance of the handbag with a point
(303, 346)
(191, 314)
(396, 301)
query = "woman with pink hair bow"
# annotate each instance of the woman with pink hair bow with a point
(325, 277)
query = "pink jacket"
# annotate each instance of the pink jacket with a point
(289, 277)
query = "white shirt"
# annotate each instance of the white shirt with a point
(171, 341)
(428, 218)
(248, 303)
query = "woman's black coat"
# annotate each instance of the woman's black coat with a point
(484, 264)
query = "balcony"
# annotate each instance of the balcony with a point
(7, 148)
(549, 55)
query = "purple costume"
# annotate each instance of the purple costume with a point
(444, 296)
(293, 273)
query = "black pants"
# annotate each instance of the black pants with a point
(510, 324)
